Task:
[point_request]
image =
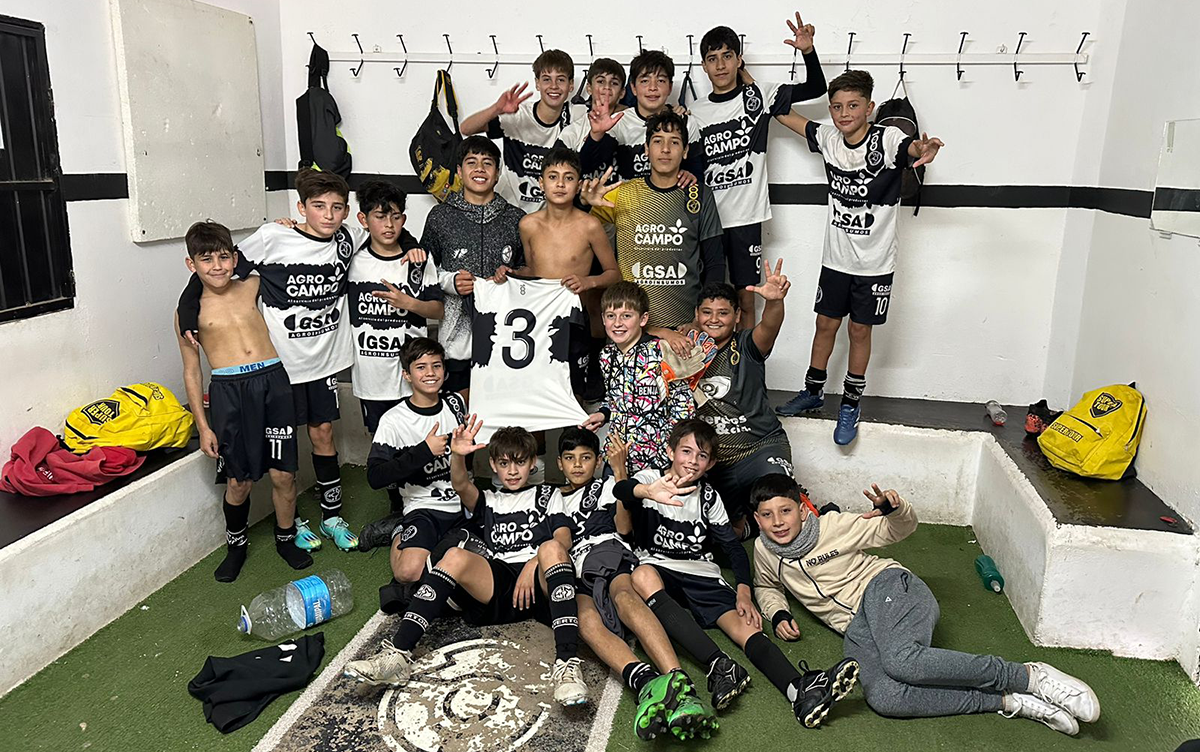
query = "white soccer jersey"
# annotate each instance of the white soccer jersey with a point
(520, 373)
(575, 135)
(630, 135)
(526, 141)
(515, 523)
(733, 134)
(303, 296)
(864, 195)
(379, 330)
(401, 436)
(590, 514)
(674, 537)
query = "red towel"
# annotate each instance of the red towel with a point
(41, 467)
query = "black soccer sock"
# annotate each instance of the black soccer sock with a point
(682, 628)
(285, 546)
(395, 500)
(236, 519)
(637, 675)
(769, 659)
(814, 380)
(564, 614)
(427, 603)
(852, 388)
(329, 484)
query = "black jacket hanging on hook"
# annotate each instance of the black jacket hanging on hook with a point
(901, 114)
(317, 118)
(434, 148)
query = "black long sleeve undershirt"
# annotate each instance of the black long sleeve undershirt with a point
(402, 465)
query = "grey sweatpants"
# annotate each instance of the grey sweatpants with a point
(901, 675)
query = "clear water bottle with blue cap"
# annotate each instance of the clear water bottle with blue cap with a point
(297, 605)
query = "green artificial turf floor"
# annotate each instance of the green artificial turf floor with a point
(125, 688)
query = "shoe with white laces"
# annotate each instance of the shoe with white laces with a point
(1061, 689)
(306, 539)
(568, 676)
(1020, 705)
(337, 529)
(391, 666)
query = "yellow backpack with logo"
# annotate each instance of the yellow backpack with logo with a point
(1099, 437)
(139, 416)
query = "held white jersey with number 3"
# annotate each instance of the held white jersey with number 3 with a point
(521, 338)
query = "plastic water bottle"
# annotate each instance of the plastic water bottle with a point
(989, 573)
(996, 413)
(297, 605)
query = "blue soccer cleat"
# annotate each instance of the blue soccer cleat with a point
(846, 430)
(803, 402)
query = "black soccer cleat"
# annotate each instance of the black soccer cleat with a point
(379, 533)
(726, 680)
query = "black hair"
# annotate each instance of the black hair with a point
(770, 486)
(667, 121)
(855, 80)
(718, 37)
(704, 434)
(514, 443)
(575, 437)
(718, 291)
(481, 145)
(380, 194)
(208, 237)
(562, 155)
(311, 183)
(418, 348)
(602, 65)
(651, 61)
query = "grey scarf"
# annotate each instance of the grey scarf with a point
(800, 545)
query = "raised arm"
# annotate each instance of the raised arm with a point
(509, 102)
(814, 78)
(924, 149)
(462, 444)
(773, 290)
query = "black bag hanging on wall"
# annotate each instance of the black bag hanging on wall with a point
(435, 146)
(900, 114)
(317, 118)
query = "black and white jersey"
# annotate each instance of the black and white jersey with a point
(526, 141)
(302, 296)
(590, 513)
(400, 455)
(515, 523)
(732, 398)
(676, 538)
(378, 329)
(864, 196)
(575, 135)
(629, 135)
(521, 336)
(733, 135)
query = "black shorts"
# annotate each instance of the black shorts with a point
(708, 598)
(373, 410)
(866, 299)
(255, 423)
(316, 401)
(500, 609)
(424, 528)
(733, 481)
(458, 376)
(743, 254)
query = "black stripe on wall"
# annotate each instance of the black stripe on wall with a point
(1177, 199)
(96, 186)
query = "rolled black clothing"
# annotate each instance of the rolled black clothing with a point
(739, 561)
(397, 470)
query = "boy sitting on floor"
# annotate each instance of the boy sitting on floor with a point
(887, 614)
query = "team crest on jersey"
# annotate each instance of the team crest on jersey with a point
(752, 101)
(345, 248)
(591, 497)
(544, 492)
(874, 151)
(1104, 404)
(101, 411)
(715, 387)
(416, 273)
(409, 533)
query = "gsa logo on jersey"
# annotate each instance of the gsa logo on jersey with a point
(853, 223)
(379, 344)
(301, 325)
(737, 173)
(659, 275)
(285, 432)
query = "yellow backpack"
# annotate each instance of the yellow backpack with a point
(1098, 438)
(139, 416)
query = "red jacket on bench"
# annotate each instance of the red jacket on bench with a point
(41, 467)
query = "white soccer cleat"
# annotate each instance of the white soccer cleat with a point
(1060, 688)
(568, 675)
(390, 666)
(1037, 709)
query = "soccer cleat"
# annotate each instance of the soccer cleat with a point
(804, 402)
(306, 539)
(390, 666)
(815, 696)
(379, 533)
(337, 529)
(1037, 709)
(688, 718)
(726, 680)
(568, 676)
(845, 675)
(650, 720)
(1061, 689)
(847, 424)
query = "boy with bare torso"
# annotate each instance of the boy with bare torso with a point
(253, 418)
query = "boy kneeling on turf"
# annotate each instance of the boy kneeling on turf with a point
(675, 512)
(506, 588)
(887, 614)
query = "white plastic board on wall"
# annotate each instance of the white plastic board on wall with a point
(188, 79)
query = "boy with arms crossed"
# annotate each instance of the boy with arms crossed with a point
(864, 164)
(888, 614)
(675, 513)
(734, 120)
(253, 420)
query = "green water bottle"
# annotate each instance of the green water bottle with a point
(989, 573)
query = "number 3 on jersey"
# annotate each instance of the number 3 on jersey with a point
(520, 334)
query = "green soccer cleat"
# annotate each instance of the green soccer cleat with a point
(306, 539)
(689, 717)
(651, 717)
(337, 529)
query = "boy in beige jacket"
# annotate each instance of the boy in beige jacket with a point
(887, 614)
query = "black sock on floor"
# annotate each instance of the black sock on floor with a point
(236, 519)
(329, 484)
(637, 675)
(852, 388)
(769, 659)
(427, 603)
(681, 627)
(285, 545)
(395, 500)
(814, 380)
(564, 615)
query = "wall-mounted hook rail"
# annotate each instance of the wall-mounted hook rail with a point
(1078, 73)
(903, 50)
(849, 47)
(492, 71)
(958, 63)
(358, 70)
(1016, 72)
(403, 46)
(541, 44)
(450, 64)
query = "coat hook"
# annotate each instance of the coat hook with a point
(450, 64)
(1079, 73)
(403, 46)
(958, 63)
(639, 38)
(688, 74)
(310, 36)
(541, 44)
(793, 73)
(358, 70)
(849, 47)
(591, 52)
(492, 71)
(903, 50)
(1017, 73)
